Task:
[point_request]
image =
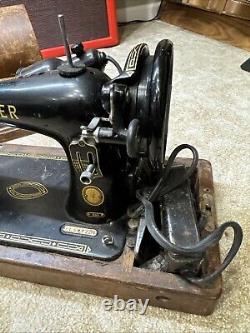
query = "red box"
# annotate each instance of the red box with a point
(110, 40)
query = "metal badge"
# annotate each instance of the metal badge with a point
(78, 230)
(93, 195)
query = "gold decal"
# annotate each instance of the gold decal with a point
(27, 190)
(49, 244)
(93, 195)
(78, 230)
(28, 155)
(8, 112)
(2, 111)
(12, 112)
(133, 58)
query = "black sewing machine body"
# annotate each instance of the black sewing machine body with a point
(114, 134)
(57, 106)
(48, 102)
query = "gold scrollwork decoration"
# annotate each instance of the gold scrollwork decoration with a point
(27, 190)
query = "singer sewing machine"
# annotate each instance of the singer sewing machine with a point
(112, 211)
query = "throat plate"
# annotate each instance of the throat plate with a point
(33, 196)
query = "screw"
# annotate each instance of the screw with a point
(133, 224)
(130, 242)
(108, 240)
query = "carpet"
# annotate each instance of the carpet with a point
(210, 109)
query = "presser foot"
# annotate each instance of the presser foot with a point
(33, 193)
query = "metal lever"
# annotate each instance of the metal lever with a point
(65, 39)
(87, 175)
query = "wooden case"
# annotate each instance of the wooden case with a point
(119, 277)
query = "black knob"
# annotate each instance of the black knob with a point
(78, 50)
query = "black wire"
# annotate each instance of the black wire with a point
(237, 240)
(114, 62)
(161, 189)
(200, 247)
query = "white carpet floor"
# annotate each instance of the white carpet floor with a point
(210, 109)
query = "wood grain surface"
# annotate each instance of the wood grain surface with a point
(18, 48)
(220, 27)
(18, 44)
(8, 133)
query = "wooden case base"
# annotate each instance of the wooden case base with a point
(119, 277)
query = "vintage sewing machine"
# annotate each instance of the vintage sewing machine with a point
(115, 194)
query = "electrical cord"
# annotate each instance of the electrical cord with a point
(212, 239)
(115, 63)
(161, 187)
